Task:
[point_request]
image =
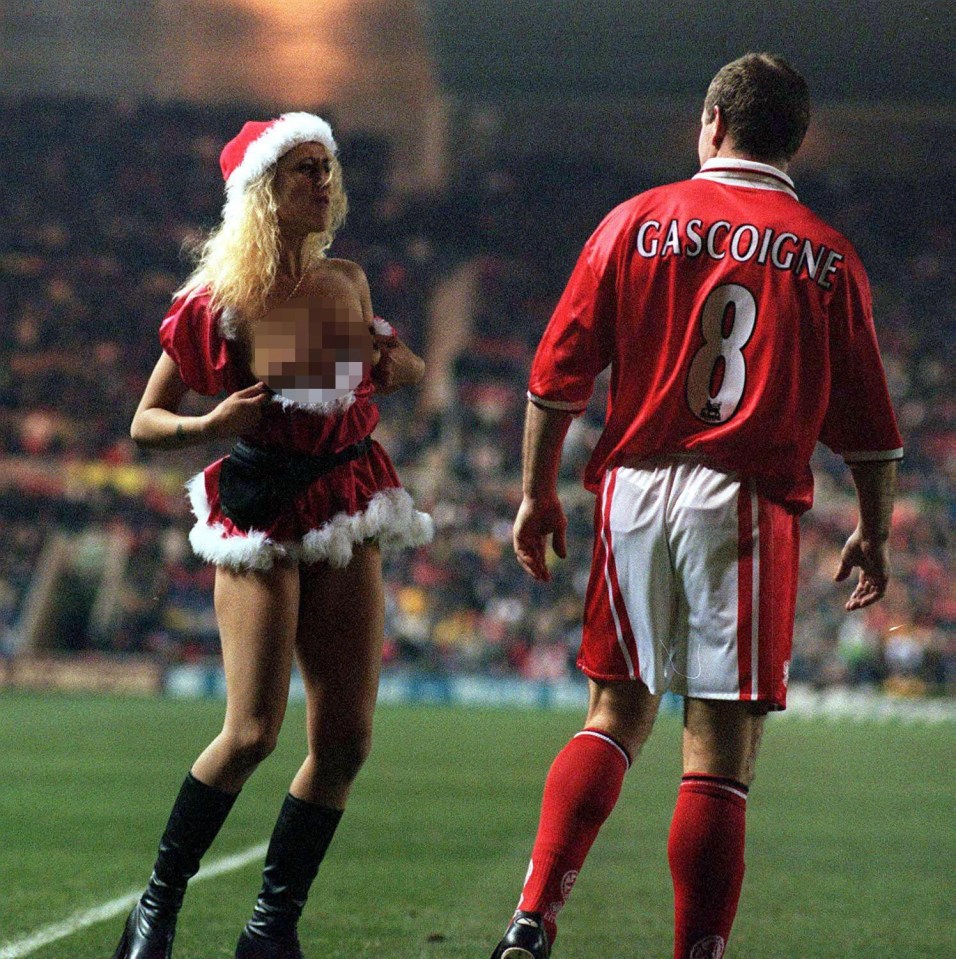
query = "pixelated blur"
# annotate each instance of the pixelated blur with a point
(312, 349)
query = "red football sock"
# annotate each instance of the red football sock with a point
(706, 853)
(580, 792)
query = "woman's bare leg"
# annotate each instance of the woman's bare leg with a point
(339, 650)
(257, 619)
(257, 614)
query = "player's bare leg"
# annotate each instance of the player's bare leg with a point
(722, 737)
(339, 650)
(256, 613)
(624, 710)
(582, 788)
(706, 845)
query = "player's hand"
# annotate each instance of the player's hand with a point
(237, 413)
(536, 520)
(873, 559)
(397, 366)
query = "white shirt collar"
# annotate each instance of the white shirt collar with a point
(750, 173)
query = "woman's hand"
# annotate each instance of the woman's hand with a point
(158, 425)
(237, 413)
(398, 366)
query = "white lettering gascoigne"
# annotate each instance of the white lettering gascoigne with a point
(743, 243)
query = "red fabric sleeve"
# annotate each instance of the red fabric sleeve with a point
(191, 337)
(860, 423)
(579, 340)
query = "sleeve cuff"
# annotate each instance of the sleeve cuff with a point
(873, 456)
(557, 404)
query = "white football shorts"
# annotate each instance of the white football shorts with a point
(693, 584)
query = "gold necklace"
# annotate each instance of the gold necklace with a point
(286, 299)
(295, 289)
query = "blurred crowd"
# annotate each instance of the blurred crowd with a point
(99, 202)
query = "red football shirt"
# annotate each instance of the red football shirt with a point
(738, 327)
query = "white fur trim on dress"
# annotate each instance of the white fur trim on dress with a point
(287, 132)
(228, 323)
(390, 518)
(348, 375)
(299, 400)
(383, 327)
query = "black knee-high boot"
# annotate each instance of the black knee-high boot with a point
(299, 841)
(196, 818)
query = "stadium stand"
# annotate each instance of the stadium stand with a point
(100, 199)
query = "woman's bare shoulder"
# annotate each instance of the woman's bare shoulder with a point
(348, 269)
(340, 280)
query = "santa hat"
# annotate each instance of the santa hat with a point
(260, 143)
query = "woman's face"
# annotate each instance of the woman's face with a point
(302, 188)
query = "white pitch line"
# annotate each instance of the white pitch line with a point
(17, 948)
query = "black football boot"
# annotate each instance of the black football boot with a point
(525, 939)
(299, 841)
(251, 946)
(196, 818)
(148, 934)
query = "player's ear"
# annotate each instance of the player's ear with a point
(720, 127)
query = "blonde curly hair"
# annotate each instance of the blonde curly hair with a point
(237, 260)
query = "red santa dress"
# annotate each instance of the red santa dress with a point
(358, 500)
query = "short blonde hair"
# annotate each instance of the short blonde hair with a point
(237, 261)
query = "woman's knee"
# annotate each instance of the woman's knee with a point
(249, 744)
(342, 753)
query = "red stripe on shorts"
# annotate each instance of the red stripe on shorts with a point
(617, 599)
(745, 574)
(599, 639)
(770, 576)
(779, 564)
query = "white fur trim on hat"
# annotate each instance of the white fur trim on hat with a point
(390, 518)
(287, 132)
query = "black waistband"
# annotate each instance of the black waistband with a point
(303, 467)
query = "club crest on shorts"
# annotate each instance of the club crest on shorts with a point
(710, 947)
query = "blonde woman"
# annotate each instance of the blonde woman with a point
(293, 519)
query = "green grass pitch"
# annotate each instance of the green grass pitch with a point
(850, 835)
